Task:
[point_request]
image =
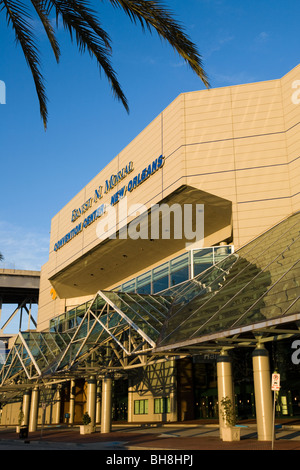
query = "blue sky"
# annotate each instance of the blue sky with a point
(240, 42)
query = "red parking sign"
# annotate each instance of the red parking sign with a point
(275, 382)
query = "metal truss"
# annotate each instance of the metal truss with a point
(32, 354)
(117, 332)
(125, 324)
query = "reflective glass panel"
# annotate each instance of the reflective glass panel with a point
(161, 278)
(179, 269)
(143, 283)
(129, 286)
(203, 259)
(259, 282)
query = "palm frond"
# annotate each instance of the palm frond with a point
(153, 15)
(43, 13)
(81, 22)
(16, 14)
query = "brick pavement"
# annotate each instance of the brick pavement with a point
(138, 439)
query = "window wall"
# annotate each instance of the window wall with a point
(141, 407)
(70, 319)
(158, 279)
(160, 405)
(176, 271)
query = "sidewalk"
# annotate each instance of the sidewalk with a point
(185, 437)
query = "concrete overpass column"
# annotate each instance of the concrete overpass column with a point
(263, 393)
(91, 399)
(106, 404)
(225, 383)
(33, 417)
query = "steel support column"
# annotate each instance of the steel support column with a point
(57, 406)
(91, 399)
(33, 417)
(72, 402)
(98, 403)
(26, 407)
(225, 383)
(106, 404)
(263, 393)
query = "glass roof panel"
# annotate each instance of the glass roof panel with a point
(100, 323)
(33, 353)
(143, 311)
(137, 314)
(261, 282)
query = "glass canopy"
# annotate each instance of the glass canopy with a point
(119, 317)
(112, 321)
(259, 282)
(32, 354)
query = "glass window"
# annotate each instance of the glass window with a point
(70, 317)
(143, 283)
(203, 259)
(61, 323)
(162, 405)
(140, 407)
(53, 325)
(129, 286)
(80, 312)
(161, 278)
(179, 269)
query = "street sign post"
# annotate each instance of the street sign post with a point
(275, 382)
(275, 387)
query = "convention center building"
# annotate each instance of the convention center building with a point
(173, 278)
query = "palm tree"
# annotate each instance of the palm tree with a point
(81, 21)
(1, 257)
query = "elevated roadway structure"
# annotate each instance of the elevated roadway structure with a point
(19, 288)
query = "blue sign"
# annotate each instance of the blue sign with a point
(148, 171)
(135, 182)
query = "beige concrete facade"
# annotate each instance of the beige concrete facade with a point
(157, 402)
(234, 149)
